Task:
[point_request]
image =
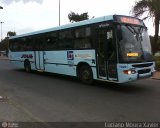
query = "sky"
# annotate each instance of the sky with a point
(23, 16)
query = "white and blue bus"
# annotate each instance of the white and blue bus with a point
(111, 48)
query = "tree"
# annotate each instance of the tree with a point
(9, 34)
(152, 8)
(75, 17)
(5, 42)
(154, 45)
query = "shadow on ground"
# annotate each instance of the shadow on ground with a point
(130, 87)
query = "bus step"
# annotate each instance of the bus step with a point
(40, 70)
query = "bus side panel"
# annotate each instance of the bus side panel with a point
(17, 64)
(86, 56)
(17, 59)
(56, 62)
(61, 69)
(65, 62)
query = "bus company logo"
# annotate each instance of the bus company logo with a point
(28, 56)
(70, 55)
(4, 124)
(10, 125)
(123, 66)
(103, 25)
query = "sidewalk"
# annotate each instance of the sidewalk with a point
(156, 75)
(3, 58)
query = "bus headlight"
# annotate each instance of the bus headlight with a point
(128, 72)
(133, 71)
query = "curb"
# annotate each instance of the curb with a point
(155, 78)
(156, 75)
(3, 59)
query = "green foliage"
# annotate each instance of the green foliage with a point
(152, 9)
(9, 34)
(5, 42)
(155, 45)
(75, 17)
(157, 61)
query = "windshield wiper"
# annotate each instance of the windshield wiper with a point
(132, 30)
(138, 33)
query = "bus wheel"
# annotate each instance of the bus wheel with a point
(27, 66)
(86, 75)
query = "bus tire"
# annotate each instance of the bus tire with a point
(27, 66)
(86, 75)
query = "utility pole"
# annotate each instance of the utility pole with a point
(1, 30)
(59, 12)
(1, 24)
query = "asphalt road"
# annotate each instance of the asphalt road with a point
(38, 97)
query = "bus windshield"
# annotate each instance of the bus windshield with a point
(134, 45)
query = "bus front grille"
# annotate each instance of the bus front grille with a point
(142, 65)
(143, 71)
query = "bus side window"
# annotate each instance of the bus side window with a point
(18, 45)
(38, 42)
(82, 43)
(51, 41)
(13, 45)
(22, 44)
(29, 44)
(66, 39)
(82, 38)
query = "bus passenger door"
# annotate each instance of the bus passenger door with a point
(39, 60)
(106, 55)
(39, 54)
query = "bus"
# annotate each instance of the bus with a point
(114, 48)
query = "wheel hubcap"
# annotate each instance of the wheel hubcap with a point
(86, 75)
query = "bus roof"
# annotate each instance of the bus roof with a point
(119, 18)
(71, 25)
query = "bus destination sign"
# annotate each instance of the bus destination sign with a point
(129, 20)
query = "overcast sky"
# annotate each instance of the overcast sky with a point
(23, 16)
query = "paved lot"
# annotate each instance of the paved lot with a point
(38, 97)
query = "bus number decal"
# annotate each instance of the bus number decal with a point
(29, 56)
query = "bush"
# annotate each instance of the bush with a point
(157, 61)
